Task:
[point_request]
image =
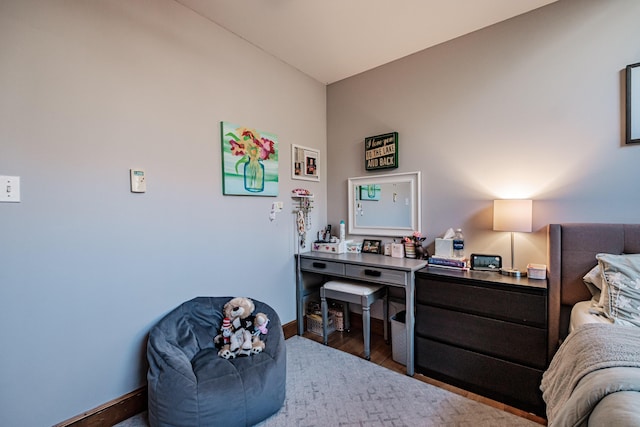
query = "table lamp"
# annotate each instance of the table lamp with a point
(512, 215)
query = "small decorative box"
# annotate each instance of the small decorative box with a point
(354, 247)
(537, 271)
(332, 248)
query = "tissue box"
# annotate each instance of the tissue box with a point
(444, 248)
(537, 271)
(333, 248)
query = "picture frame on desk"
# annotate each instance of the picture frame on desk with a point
(371, 246)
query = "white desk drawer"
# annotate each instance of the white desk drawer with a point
(373, 274)
(323, 267)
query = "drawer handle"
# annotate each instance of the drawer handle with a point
(319, 265)
(373, 273)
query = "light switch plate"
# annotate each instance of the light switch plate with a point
(9, 189)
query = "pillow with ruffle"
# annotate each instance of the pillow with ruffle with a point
(621, 280)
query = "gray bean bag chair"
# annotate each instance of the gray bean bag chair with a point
(190, 385)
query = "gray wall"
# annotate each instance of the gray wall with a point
(89, 90)
(529, 108)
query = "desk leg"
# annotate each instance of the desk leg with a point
(410, 322)
(299, 298)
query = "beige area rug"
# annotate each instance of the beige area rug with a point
(328, 387)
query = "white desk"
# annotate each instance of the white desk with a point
(373, 268)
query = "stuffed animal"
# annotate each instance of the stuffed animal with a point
(241, 330)
(240, 311)
(223, 339)
(259, 328)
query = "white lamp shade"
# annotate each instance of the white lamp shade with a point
(512, 215)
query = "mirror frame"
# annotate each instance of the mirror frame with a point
(413, 178)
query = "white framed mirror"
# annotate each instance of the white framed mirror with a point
(385, 205)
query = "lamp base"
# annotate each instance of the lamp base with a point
(513, 272)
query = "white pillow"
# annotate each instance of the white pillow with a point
(593, 281)
(621, 278)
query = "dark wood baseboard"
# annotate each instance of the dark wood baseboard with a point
(112, 412)
(290, 329)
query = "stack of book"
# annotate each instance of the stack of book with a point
(452, 263)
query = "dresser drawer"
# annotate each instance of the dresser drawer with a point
(508, 382)
(373, 274)
(517, 306)
(505, 340)
(322, 267)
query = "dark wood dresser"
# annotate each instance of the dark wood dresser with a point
(483, 332)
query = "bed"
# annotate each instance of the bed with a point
(594, 327)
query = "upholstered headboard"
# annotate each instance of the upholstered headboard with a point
(571, 253)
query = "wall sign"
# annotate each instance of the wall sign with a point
(381, 151)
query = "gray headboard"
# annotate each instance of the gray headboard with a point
(571, 253)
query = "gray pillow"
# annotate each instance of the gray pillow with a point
(621, 278)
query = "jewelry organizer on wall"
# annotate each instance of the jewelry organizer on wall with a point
(302, 208)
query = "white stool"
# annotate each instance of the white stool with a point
(357, 293)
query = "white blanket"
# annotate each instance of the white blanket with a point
(589, 348)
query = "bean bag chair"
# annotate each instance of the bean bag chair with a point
(190, 385)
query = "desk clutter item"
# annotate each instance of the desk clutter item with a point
(537, 271)
(458, 244)
(453, 263)
(332, 248)
(354, 247)
(397, 250)
(486, 262)
(410, 250)
(330, 244)
(444, 247)
(450, 251)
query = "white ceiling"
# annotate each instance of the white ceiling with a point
(330, 40)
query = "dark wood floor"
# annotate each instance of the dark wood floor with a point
(351, 342)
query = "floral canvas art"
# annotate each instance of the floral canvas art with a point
(249, 161)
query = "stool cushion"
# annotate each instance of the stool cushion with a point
(352, 287)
